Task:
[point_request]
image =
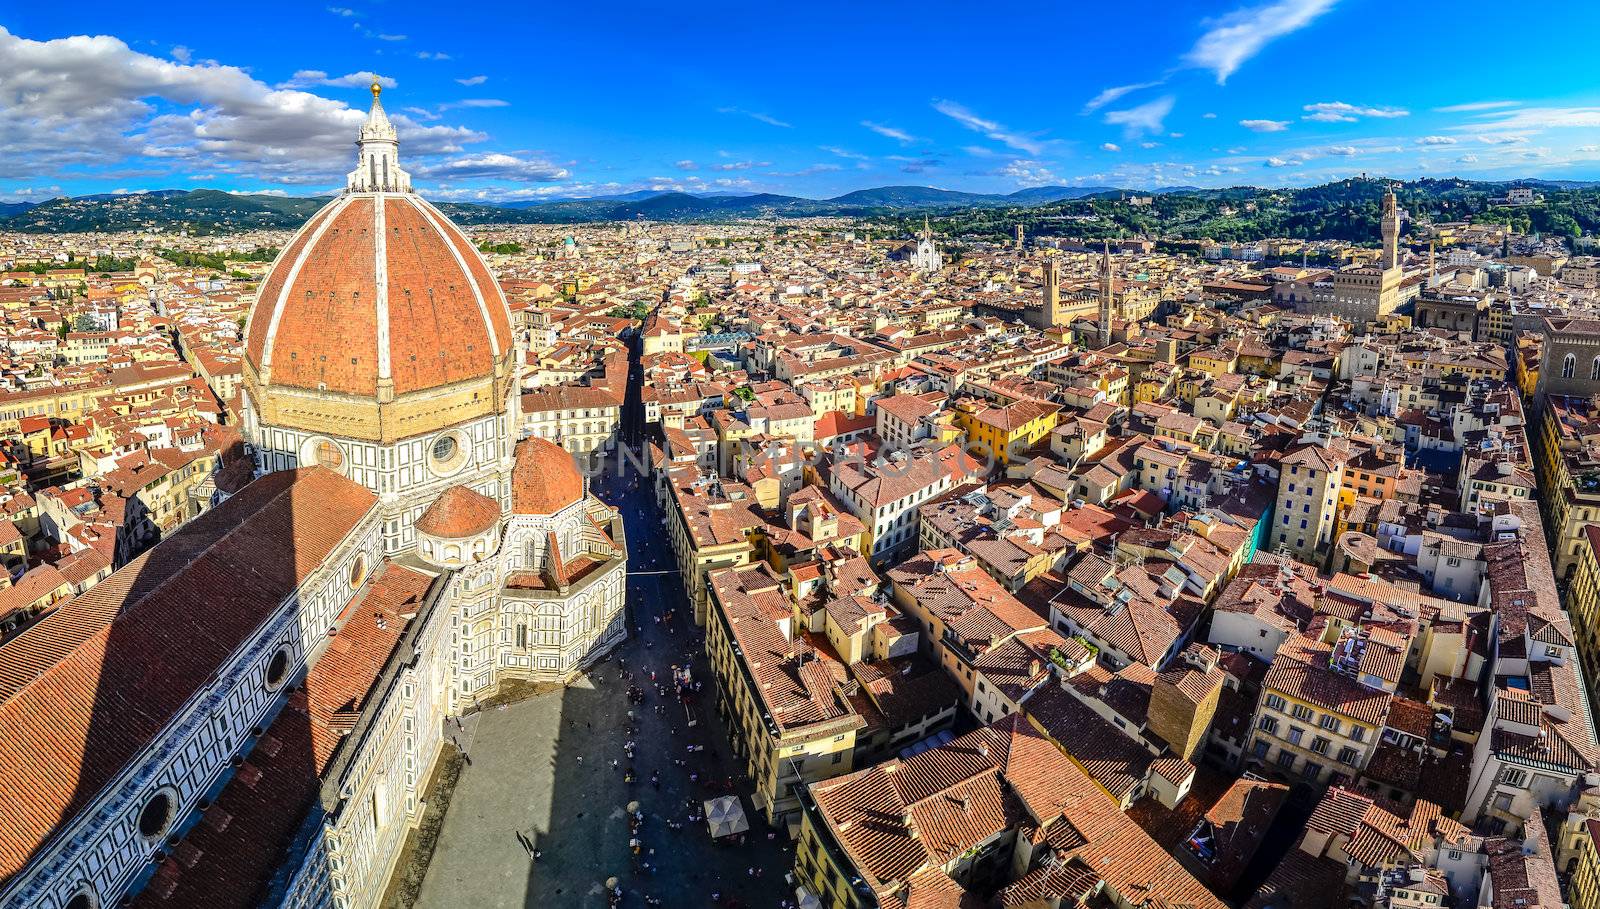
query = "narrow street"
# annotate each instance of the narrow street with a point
(551, 769)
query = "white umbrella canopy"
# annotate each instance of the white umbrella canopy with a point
(805, 899)
(725, 816)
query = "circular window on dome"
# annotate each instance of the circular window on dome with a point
(323, 452)
(277, 669)
(447, 453)
(156, 817)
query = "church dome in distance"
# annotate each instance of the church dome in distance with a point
(545, 478)
(377, 298)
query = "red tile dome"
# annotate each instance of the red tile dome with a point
(378, 288)
(459, 512)
(545, 478)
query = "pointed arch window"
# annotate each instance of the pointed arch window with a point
(1568, 364)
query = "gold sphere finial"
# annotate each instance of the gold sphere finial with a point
(376, 88)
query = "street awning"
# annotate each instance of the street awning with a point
(725, 816)
(805, 899)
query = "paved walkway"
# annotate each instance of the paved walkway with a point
(542, 768)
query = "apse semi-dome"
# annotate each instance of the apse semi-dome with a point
(379, 320)
(545, 479)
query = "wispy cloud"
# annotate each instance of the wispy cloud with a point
(988, 127)
(1265, 126)
(811, 171)
(344, 11)
(755, 115)
(432, 55)
(740, 165)
(1110, 147)
(843, 152)
(473, 80)
(1436, 140)
(899, 135)
(1536, 118)
(1111, 94)
(1235, 38)
(1474, 106)
(475, 103)
(1340, 112)
(307, 78)
(1146, 118)
(686, 164)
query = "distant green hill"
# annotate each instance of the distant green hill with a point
(1346, 209)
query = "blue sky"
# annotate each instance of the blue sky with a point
(520, 101)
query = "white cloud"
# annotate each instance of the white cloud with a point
(1343, 151)
(1027, 173)
(344, 11)
(91, 101)
(29, 193)
(1282, 162)
(1149, 144)
(1110, 147)
(1265, 126)
(1208, 115)
(755, 115)
(1467, 159)
(899, 135)
(306, 78)
(686, 164)
(1240, 35)
(1146, 118)
(989, 128)
(473, 80)
(432, 55)
(182, 54)
(1501, 139)
(1111, 94)
(391, 37)
(1340, 112)
(1436, 140)
(740, 165)
(495, 166)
